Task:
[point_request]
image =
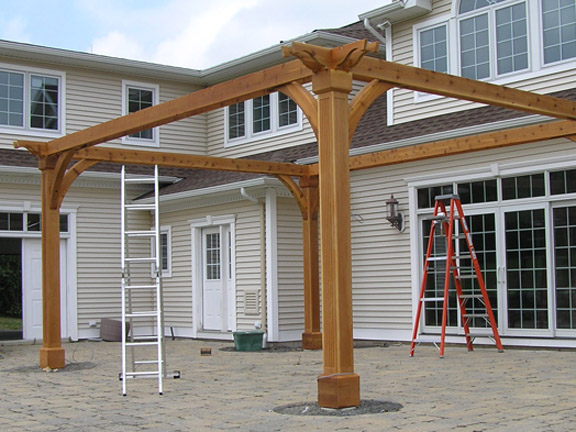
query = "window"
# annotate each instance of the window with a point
(138, 96)
(434, 49)
(527, 186)
(563, 182)
(166, 251)
(559, 29)
(27, 222)
(261, 117)
(509, 35)
(31, 101)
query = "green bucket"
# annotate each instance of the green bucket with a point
(248, 340)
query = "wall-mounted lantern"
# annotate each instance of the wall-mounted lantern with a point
(392, 214)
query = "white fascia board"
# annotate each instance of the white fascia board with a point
(63, 57)
(398, 10)
(440, 136)
(216, 190)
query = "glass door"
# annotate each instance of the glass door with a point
(525, 270)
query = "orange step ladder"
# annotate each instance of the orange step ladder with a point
(448, 213)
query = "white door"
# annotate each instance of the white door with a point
(217, 292)
(32, 288)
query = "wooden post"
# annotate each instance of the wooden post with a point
(338, 386)
(52, 353)
(312, 336)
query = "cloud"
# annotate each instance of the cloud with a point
(15, 29)
(203, 34)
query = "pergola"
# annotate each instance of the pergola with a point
(322, 188)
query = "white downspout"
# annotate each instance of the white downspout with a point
(375, 32)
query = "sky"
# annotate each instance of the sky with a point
(188, 33)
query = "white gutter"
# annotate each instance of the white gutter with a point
(439, 136)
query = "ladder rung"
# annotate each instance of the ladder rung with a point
(141, 260)
(142, 314)
(143, 362)
(432, 299)
(467, 276)
(140, 287)
(139, 206)
(140, 233)
(141, 180)
(437, 258)
(463, 256)
(143, 343)
(471, 296)
(141, 374)
(480, 334)
(473, 315)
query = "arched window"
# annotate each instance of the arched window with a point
(470, 5)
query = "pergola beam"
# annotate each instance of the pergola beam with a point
(428, 81)
(455, 146)
(178, 160)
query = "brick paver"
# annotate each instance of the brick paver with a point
(518, 390)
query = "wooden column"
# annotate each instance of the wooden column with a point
(338, 386)
(52, 353)
(312, 336)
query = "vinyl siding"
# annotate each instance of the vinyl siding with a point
(178, 288)
(406, 108)
(290, 267)
(96, 97)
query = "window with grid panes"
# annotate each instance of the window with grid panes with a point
(426, 196)
(478, 192)
(527, 186)
(563, 182)
(565, 266)
(30, 101)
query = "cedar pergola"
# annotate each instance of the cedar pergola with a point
(322, 188)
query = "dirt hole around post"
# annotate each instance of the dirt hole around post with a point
(367, 406)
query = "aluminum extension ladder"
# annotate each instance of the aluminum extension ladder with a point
(443, 227)
(143, 350)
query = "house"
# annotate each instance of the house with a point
(232, 243)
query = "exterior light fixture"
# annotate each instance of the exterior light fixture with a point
(392, 214)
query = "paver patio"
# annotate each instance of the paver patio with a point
(518, 390)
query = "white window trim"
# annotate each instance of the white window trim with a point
(275, 128)
(26, 129)
(155, 89)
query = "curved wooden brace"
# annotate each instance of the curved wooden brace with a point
(305, 101)
(71, 175)
(363, 100)
(297, 192)
(59, 172)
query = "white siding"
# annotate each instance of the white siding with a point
(96, 97)
(290, 267)
(249, 232)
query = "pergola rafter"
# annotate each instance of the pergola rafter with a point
(323, 187)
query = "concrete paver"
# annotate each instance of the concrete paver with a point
(520, 389)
